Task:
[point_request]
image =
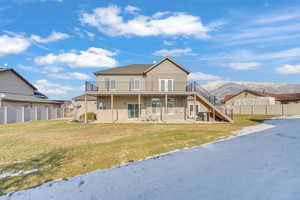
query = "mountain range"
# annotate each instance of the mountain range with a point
(223, 88)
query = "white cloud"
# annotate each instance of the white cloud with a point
(42, 70)
(27, 68)
(243, 65)
(52, 69)
(70, 76)
(199, 76)
(48, 87)
(277, 17)
(92, 57)
(168, 43)
(90, 34)
(175, 52)
(289, 69)
(131, 9)
(250, 56)
(53, 37)
(109, 20)
(13, 45)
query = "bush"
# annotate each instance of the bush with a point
(90, 116)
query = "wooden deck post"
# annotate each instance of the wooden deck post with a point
(139, 104)
(85, 108)
(214, 114)
(112, 106)
(194, 107)
(166, 103)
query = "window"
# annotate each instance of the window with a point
(156, 107)
(134, 84)
(166, 85)
(111, 84)
(191, 110)
(171, 105)
(197, 109)
(133, 111)
(101, 105)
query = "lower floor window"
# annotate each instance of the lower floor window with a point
(171, 105)
(156, 107)
(191, 110)
(133, 110)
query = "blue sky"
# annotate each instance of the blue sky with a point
(57, 44)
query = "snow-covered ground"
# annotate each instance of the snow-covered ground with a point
(262, 165)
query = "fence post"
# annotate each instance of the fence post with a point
(266, 110)
(252, 109)
(5, 115)
(63, 113)
(47, 113)
(282, 109)
(23, 114)
(36, 114)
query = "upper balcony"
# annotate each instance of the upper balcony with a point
(162, 86)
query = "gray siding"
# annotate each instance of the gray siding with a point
(11, 83)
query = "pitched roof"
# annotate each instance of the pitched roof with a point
(133, 69)
(25, 98)
(88, 97)
(278, 97)
(16, 73)
(171, 60)
(137, 69)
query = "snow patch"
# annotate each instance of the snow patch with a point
(252, 129)
(12, 174)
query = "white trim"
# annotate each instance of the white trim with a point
(166, 84)
(135, 79)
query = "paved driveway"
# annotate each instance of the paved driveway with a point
(260, 166)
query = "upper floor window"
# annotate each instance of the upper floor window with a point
(166, 85)
(135, 84)
(111, 84)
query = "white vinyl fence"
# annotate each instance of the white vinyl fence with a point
(23, 114)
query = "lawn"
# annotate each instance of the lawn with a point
(61, 149)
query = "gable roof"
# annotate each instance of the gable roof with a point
(133, 69)
(17, 74)
(26, 98)
(278, 97)
(171, 60)
(82, 98)
(137, 69)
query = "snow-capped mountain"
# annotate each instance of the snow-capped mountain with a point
(223, 88)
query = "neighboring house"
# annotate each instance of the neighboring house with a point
(15, 90)
(146, 92)
(252, 97)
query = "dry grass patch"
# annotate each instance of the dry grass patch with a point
(60, 149)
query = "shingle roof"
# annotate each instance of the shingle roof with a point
(25, 98)
(134, 69)
(137, 69)
(21, 77)
(278, 97)
(88, 97)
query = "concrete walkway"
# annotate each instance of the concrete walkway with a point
(259, 166)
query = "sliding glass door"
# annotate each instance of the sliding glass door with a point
(133, 111)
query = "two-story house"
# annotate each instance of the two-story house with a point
(147, 92)
(15, 90)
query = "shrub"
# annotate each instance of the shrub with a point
(90, 116)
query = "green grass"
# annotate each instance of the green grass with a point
(61, 149)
